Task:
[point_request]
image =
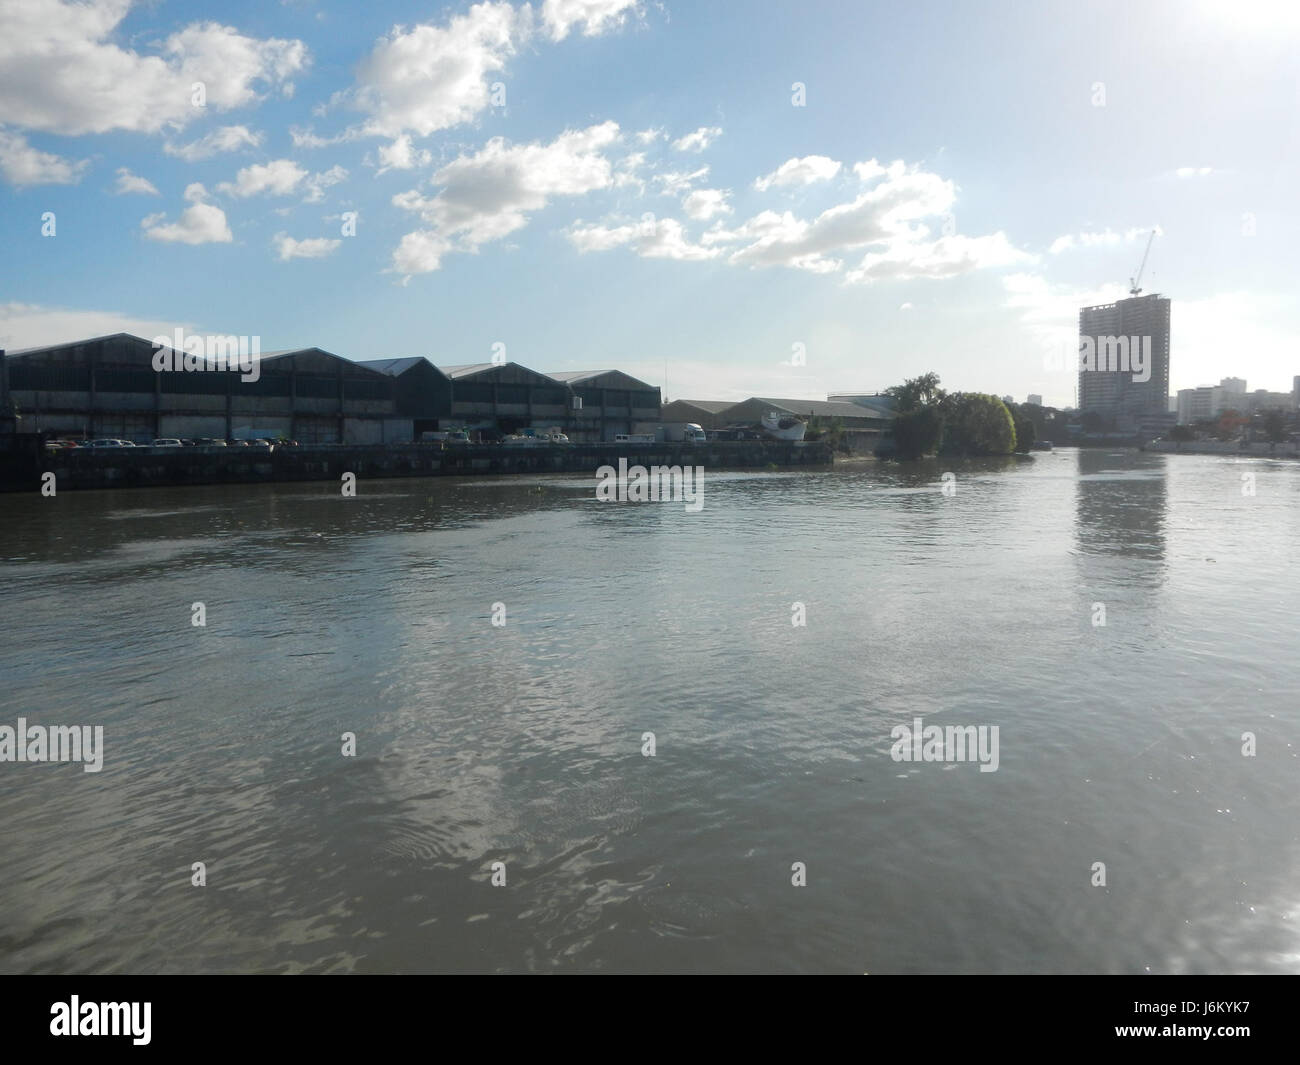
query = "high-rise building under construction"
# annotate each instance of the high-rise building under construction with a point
(1124, 356)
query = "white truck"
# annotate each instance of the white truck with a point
(673, 432)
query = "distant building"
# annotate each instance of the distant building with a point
(882, 403)
(1199, 404)
(1008, 400)
(1114, 382)
(1035, 400)
(1233, 384)
(1295, 392)
(703, 412)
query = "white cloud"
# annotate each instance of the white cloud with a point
(21, 164)
(1193, 171)
(29, 325)
(200, 223)
(402, 155)
(225, 139)
(313, 248)
(128, 182)
(675, 181)
(699, 140)
(661, 238)
(488, 195)
(59, 71)
(703, 204)
(430, 78)
(277, 178)
(1107, 238)
(883, 222)
(649, 136)
(596, 16)
(945, 257)
(318, 183)
(800, 172)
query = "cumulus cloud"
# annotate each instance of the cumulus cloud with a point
(128, 182)
(675, 181)
(703, 204)
(488, 195)
(1107, 238)
(401, 155)
(430, 78)
(699, 140)
(885, 223)
(21, 164)
(313, 248)
(200, 223)
(662, 238)
(595, 16)
(225, 139)
(277, 178)
(318, 183)
(799, 172)
(61, 73)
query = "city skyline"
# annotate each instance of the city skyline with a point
(719, 225)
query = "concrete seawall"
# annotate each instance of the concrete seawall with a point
(78, 468)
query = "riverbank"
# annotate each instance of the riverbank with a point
(1217, 447)
(24, 469)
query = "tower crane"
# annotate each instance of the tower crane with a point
(1134, 288)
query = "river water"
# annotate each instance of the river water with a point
(522, 743)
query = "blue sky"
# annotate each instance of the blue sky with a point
(959, 179)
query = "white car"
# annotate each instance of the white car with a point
(166, 441)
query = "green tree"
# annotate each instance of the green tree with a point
(916, 392)
(977, 424)
(1026, 432)
(1275, 427)
(917, 433)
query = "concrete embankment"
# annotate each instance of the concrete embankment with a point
(77, 468)
(1216, 447)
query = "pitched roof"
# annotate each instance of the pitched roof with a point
(820, 407)
(713, 406)
(392, 367)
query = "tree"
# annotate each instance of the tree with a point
(917, 433)
(1275, 427)
(977, 424)
(916, 393)
(1026, 431)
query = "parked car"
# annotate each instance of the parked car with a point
(166, 441)
(108, 441)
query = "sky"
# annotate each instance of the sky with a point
(726, 200)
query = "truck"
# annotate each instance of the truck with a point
(673, 432)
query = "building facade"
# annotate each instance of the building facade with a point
(1113, 377)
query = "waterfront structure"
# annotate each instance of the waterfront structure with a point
(111, 387)
(703, 412)
(1112, 387)
(608, 403)
(862, 426)
(108, 387)
(882, 404)
(1210, 401)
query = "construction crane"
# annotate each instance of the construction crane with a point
(1134, 289)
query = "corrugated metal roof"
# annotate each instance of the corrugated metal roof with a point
(713, 406)
(392, 367)
(469, 369)
(820, 407)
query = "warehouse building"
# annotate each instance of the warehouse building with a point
(113, 386)
(703, 412)
(604, 403)
(109, 387)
